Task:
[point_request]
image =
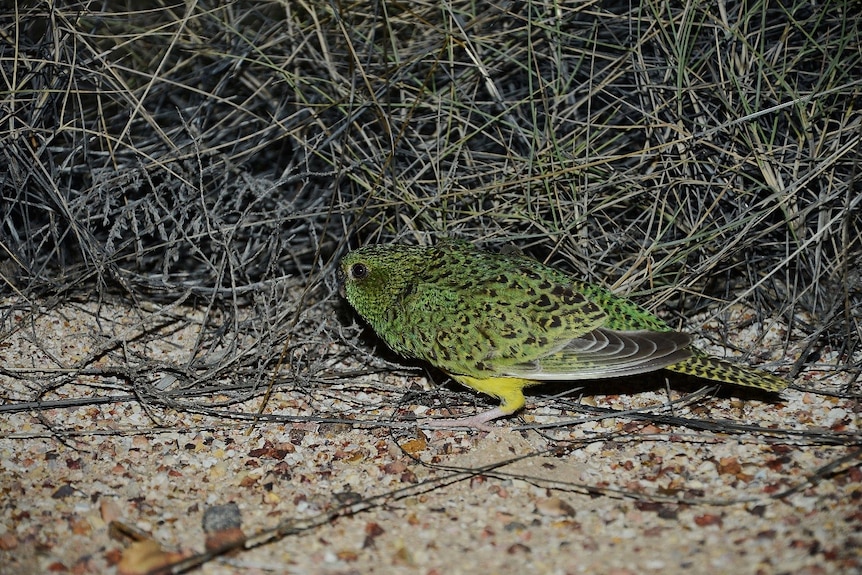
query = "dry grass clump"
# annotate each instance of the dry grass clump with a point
(209, 150)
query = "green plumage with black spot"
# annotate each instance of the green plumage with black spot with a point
(499, 323)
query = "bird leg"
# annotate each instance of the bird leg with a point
(508, 389)
(478, 421)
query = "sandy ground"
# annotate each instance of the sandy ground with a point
(620, 481)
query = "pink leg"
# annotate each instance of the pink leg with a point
(478, 421)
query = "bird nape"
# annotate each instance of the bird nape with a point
(499, 323)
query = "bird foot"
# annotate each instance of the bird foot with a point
(478, 422)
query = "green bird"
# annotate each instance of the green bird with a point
(499, 323)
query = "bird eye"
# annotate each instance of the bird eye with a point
(358, 271)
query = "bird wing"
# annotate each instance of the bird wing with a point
(605, 353)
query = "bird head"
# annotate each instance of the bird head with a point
(373, 278)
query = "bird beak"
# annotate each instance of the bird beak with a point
(339, 275)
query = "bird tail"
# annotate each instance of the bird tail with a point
(715, 369)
